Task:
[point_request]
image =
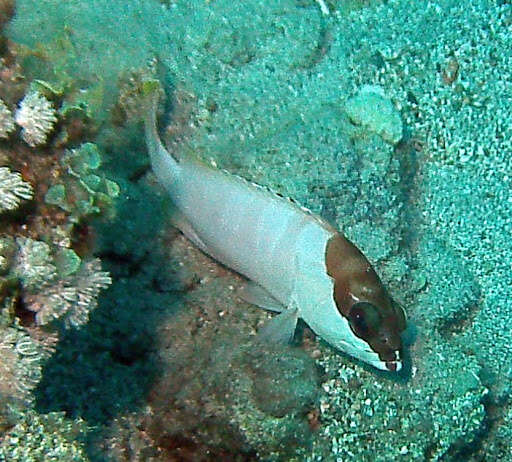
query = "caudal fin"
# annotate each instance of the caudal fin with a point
(164, 164)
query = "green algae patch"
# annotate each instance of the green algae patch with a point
(84, 190)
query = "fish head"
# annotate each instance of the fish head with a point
(375, 321)
(381, 330)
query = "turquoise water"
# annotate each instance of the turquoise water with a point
(159, 364)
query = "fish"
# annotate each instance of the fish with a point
(296, 264)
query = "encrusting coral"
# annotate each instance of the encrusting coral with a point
(49, 437)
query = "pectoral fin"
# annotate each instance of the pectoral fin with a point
(281, 328)
(178, 220)
(256, 295)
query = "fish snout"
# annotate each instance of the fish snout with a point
(393, 366)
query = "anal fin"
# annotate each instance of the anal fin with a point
(281, 328)
(180, 221)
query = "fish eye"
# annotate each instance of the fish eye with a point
(364, 319)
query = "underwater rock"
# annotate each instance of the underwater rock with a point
(452, 296)
(371, 109)
(283, 383)
(221, 394)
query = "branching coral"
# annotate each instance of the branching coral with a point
(20, 364)
(6, 120)
(12, 189)
(58, 285)
(70, 298)
(36, 116)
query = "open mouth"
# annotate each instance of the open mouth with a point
(393, 366)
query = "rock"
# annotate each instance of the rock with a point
(371, 109)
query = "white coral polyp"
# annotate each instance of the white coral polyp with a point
(12, 189)
(36, 116)
(6, 120)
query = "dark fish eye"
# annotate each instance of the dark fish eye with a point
(364, 319)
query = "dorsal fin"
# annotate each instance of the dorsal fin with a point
(281, 197)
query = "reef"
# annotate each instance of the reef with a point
(50, 280)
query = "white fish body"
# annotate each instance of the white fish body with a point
(278, 246)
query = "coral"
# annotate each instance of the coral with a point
(82, 191)
(36, 116)
(6, 120)
(34, 264)
(58, 284)
(72, 298)
(51, 437)
(20, 365)
(282, 126)
(22, 351)
(77, 109)
(12, 189)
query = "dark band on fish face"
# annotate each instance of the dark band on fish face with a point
(361, 298)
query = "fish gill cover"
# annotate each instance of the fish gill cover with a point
(285, 95)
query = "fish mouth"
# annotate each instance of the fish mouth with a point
(393, 366)
(390, 365)
(392, 362)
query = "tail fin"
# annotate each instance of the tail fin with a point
(164, 165)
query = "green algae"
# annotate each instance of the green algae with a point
(83, 192)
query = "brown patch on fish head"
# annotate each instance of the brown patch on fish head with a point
(362, 299)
